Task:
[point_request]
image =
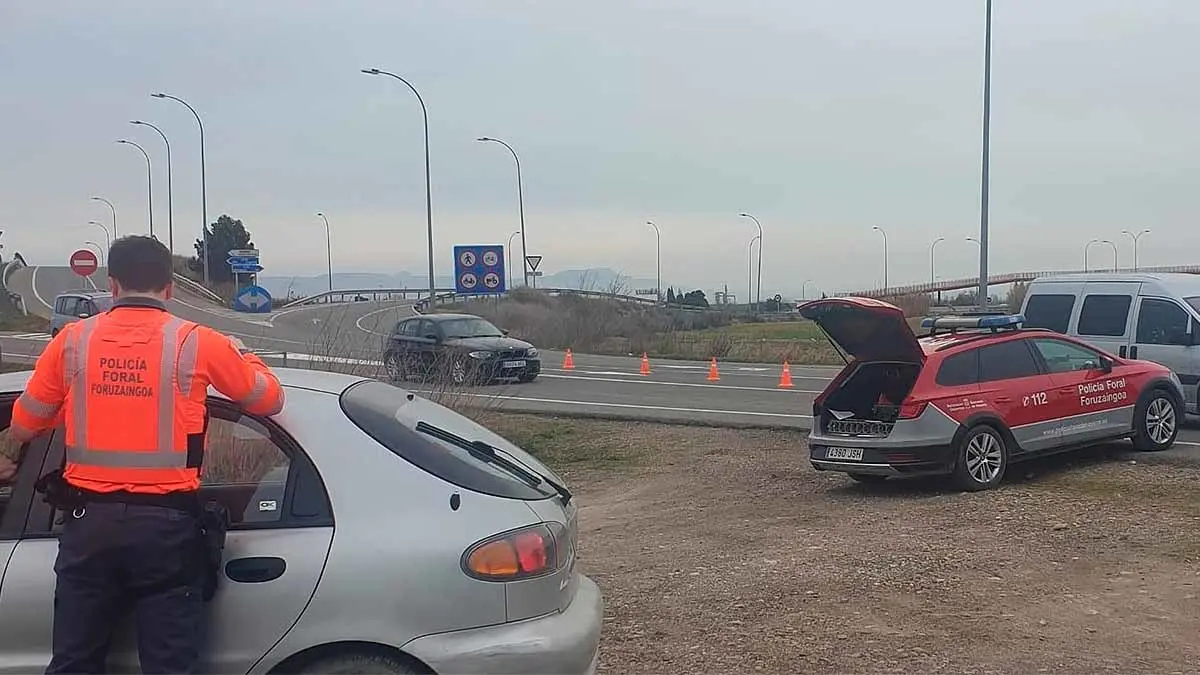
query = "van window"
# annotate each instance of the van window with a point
(959, 369)
(1104, 315)
(1051, 311)
(1006, 361)
(1161, 322)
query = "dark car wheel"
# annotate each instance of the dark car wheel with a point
(980, 458)
(868, 478)
(461, 372)
(527, 378)
(1156, 421)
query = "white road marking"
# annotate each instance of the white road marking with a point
(703, 385)
(358, 323)
(597, 404)
(33, 285)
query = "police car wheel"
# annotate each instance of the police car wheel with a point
(360, 662)
(1156, 421)
(981, 459)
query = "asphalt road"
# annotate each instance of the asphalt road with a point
(350, 336)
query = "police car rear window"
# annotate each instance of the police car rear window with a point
(374, 407)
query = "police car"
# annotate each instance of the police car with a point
(974, 395)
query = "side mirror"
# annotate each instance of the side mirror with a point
(504, 331)
(431, 337)
(1106, 364)
(83, 315)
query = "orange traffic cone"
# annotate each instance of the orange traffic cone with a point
(645, 365)
(785, 379)
(713, 375)
(568, 362)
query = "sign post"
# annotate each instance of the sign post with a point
(252, 297)
(479, 270)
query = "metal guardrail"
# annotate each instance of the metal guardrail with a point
(198, 289)
(1002, 279)
(561, 292)
(340, 295)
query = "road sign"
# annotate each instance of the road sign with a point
(479, 269)
(246, 269)
(254, 299)
(244, 253)
(533, 261)
(84, 263)
(241, 260)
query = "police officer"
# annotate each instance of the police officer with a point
(130, 386)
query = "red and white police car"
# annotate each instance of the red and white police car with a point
(976, 394)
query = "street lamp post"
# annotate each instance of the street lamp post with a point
(98, 250)
(750, 269)
(107, 237)
(170, 198)
(203, 183)
(1135, 238)
(885, 255)
(658, 265)
(508, 255)
(804, 289)
(1086, 247)
(149, 181)
(110, 208)
(328, 251)
(1114, 248)
(428, 189)
(931, 267)
(758, 296)
(520, 203)
(983, 192)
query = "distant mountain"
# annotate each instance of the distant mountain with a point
(593, 279)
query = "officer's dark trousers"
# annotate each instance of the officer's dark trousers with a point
(119, 558)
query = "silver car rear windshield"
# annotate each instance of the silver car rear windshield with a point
(374, 407)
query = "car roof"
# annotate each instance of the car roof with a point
(1180, 282)
(85, 294)
(448, 316)
(945, 342)
(314, 380)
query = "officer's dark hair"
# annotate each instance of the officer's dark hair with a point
(140, 264)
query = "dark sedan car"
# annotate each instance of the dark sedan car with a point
(463, 348)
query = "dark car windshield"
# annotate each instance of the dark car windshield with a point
(379, 410)
(469, 328)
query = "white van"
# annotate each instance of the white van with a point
(1152, 317)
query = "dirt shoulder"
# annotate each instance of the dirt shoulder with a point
(721, 550)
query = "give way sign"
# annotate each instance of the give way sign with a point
(84, 263)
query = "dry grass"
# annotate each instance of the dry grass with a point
(723, 551)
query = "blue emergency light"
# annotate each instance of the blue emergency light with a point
(988, 322)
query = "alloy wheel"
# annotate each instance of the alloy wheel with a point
(984, 457)
(1160, 420)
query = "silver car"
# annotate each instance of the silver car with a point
(76, 305)
(374, 531)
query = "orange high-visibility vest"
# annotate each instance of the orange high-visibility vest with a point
(128, 417)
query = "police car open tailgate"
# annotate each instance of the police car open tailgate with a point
(865, 328)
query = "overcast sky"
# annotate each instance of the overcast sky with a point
(821, 117)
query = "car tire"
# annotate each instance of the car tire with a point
(1156, 421)
(981, 458)
(868, 478)
(460, 372)
(526, 379)
(344, 663)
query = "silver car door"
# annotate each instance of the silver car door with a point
(1161, 334)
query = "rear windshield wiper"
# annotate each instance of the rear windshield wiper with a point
(490, 454)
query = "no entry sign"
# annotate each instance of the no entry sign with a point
(84, 263)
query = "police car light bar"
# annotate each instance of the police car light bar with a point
(993, 322)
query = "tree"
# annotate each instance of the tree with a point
(224, 236)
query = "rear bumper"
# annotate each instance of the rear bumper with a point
(883, 461)
(564, 643)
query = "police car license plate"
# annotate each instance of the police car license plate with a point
(514, 364)
(853, 454)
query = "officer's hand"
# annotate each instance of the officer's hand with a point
(8, 469)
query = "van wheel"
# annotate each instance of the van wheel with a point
(868, 478)
(1155, 422)
(360, 662)
(981, 459)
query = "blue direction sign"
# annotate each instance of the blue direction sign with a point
(244, 261)
(253, 299)
(479, 269)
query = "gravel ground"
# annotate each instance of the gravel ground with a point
(722, 550)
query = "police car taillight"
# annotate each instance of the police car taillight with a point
(911, 409)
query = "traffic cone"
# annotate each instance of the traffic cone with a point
(785, 379)
(568, 362)
(713, 375)
(645, 365)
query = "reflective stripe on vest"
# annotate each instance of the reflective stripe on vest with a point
(171, 372)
